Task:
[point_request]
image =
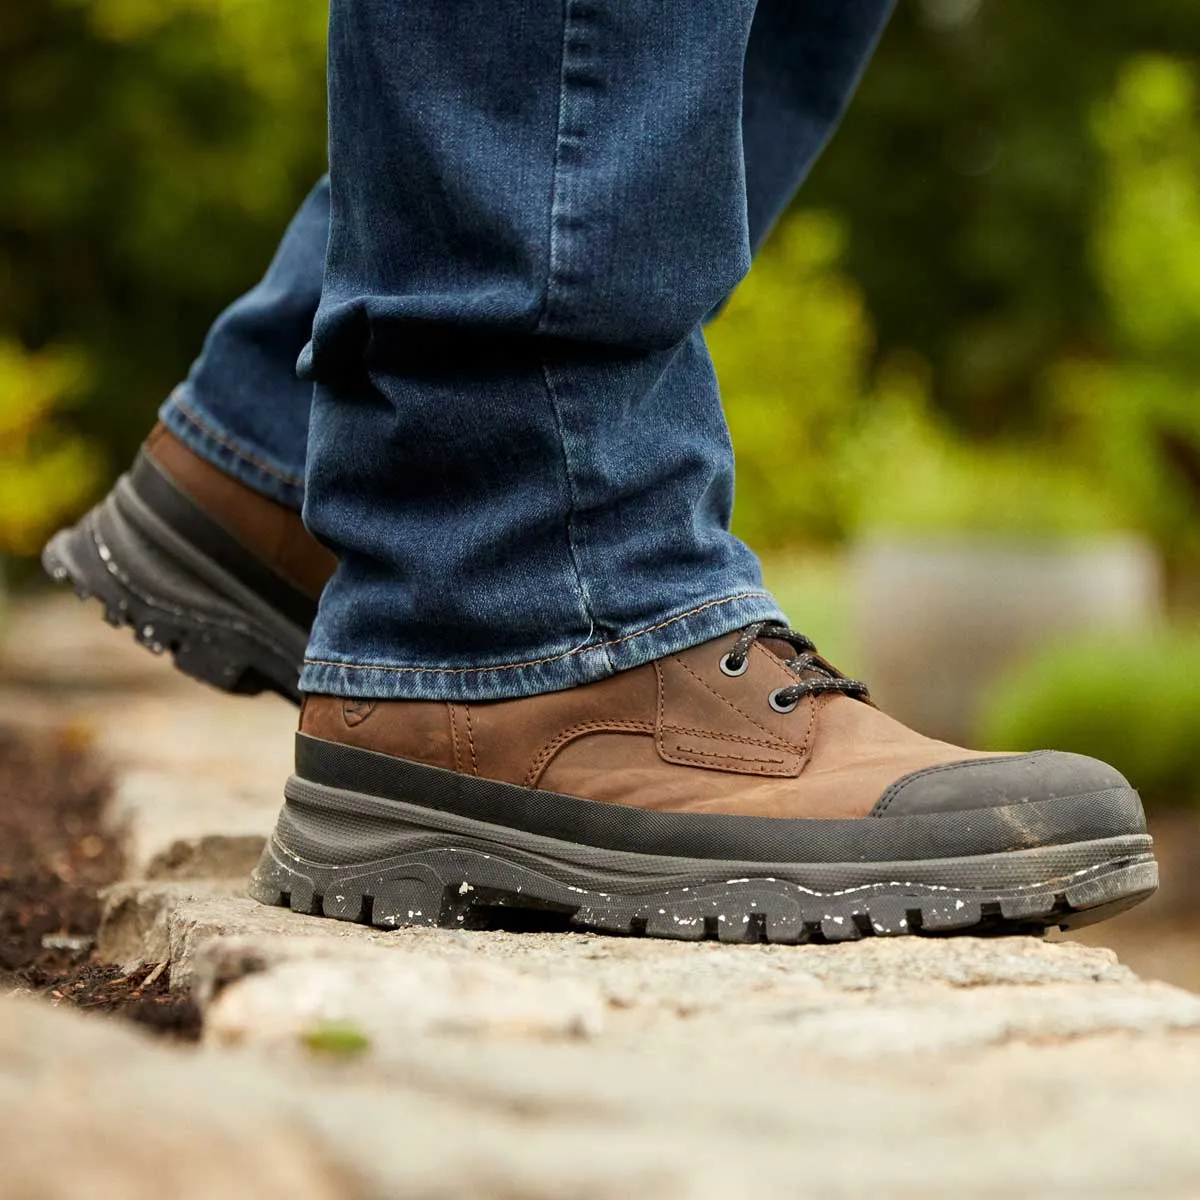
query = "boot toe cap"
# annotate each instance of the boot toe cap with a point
(1005, 780)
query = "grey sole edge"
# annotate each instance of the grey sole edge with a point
(459, 873)
(176, 600)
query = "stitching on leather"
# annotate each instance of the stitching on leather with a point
(814, 705)
(205, 428)
(565, 736)
(538, 662)
(776, 740)
(725, 737)
(681, 753)
(730, 757)
(471, 740)
(900, 784)
(454, 738)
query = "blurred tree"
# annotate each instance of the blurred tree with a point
(791, 350)
(968, 176)
(1134, 414)
(829, 447)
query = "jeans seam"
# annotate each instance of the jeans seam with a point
(553, 263)
(585, 599)
(251, 460)
(538, 662)
(552, 238)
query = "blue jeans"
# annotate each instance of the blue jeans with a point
(506, 422)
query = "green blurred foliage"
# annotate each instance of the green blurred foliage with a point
(1132, 701)
(828, 447)
(1135, 414)
(153, 151)
(44, 472)
(791, 351)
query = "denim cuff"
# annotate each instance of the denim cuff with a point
(194, 424)
(539, 673)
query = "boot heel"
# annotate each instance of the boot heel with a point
(414, 894)
(175, 600)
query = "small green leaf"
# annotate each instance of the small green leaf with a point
(337, 1039)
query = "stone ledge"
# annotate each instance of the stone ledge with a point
(174, 828)
(869, 1001)
(135, 919)
(265, 976)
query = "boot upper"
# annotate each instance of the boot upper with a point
(683, 735)
(268, 530)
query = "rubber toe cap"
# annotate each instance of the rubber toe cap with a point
(996, 782)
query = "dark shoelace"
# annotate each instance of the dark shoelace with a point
(824, 678)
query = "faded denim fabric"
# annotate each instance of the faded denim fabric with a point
(516, 441)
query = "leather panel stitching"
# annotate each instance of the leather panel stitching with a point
(454, 739)
(775, 739)
(471, 740)
(572, 733)
(726, 737)
(731, 757)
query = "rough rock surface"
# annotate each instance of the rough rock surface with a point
(91, 1110)
(260, 973)
(176, 827)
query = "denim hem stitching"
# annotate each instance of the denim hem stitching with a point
(538, 662)
(208, 431)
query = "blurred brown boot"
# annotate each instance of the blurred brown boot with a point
(197, 563)
(743, 789)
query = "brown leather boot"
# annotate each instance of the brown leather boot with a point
(220, 575)
(743, 789)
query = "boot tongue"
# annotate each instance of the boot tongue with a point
(778, 646)
(786, 651)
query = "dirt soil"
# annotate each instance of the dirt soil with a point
(54, 859)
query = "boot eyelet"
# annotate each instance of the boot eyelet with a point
(773, 701)
(734, 672)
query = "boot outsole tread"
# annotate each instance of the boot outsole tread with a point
(464, 889)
